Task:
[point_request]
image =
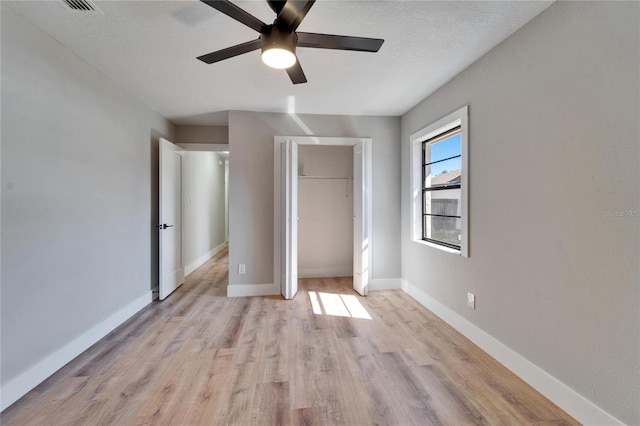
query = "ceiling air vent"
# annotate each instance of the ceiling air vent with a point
(80, 5)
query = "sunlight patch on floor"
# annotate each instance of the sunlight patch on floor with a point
(355, 307)
(339, 305)
(315, 304)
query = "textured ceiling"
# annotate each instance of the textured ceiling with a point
(150, 48)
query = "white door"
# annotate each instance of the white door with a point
(170, 218)
(361, 217)
(289, 214)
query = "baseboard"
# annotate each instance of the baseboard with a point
(244, 290)
(344, 271)
(202, 259)
(385, 284)
(35, 375)
(583, 410)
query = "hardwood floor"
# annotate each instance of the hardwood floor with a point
(199, 358)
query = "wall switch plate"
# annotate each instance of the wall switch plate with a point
(471, 300)
(241, 269)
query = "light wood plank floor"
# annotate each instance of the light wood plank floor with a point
(199, 358)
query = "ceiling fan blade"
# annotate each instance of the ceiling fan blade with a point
(296, 74)
(236, 13)
(292, 14)
(329, 41)
(230, 52)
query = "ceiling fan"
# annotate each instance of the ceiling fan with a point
(279, 40)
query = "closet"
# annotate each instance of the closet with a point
(325, 211)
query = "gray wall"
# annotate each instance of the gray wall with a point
(251, 186)
(325, 212)
(203, 204)
(553, 148)
(78, 180)
(201, 134)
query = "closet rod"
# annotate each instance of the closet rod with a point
(323, 177)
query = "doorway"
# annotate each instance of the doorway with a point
(193, 209)
(286, 174)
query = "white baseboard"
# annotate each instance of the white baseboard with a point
(244, 290)
(385, 284)
(35, 375)
(202, 259)
(339, 271)
(583, 410)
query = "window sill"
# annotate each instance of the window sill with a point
(438, 246)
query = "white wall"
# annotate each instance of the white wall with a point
(78, 177)
(553, 145)
(203, 207)
(325, 212)
(251, 186)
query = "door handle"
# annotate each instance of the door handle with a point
(163, 226)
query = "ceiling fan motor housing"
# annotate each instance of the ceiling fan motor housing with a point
(276, 5)
(275, 38)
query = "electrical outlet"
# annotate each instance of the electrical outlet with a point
(471, 300)
(241, 269)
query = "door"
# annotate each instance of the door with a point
(170, 218)
(361, 217)
(289, 215)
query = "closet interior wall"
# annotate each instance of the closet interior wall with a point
(325, 211)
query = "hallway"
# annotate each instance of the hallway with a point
(327, 357)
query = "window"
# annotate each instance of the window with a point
(441, 177)
(439, 159)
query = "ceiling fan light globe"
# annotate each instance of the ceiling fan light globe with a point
(279, 58)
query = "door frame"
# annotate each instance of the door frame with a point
(186, 147)
(279, 232)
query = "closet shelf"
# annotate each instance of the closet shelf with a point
(324, 177)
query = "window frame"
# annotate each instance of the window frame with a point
(440, 137)
(458, 118)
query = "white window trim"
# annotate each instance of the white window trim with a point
(456, 118)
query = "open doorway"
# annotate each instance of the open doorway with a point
(286, 197)
(193, 209)
(204, 206)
